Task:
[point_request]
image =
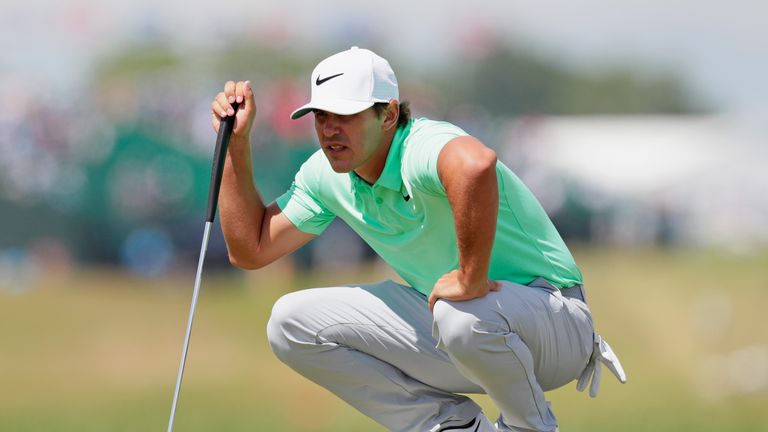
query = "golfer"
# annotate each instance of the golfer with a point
(493, 301)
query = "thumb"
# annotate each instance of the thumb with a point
(246, 110)
(248, 101)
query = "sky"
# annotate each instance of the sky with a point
(719, 47)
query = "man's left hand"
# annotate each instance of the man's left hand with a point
(451, 287)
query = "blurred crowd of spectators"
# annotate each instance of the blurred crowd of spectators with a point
(117, 174)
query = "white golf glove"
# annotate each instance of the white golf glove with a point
(601, 353)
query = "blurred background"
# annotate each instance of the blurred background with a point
(642, 127)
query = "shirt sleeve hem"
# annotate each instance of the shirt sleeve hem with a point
(297, 221)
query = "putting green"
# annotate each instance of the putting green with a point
(98, 350)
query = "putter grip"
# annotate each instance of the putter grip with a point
(219, 155)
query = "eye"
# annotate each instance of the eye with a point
(320, 116)
(347, 117)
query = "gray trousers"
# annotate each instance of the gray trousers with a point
(380, 349)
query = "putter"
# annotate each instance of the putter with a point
(219, 155)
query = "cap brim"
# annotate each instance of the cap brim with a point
(338, 106)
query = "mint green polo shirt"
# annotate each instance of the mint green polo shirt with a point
(407, 219)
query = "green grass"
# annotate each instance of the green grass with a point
(99, 350)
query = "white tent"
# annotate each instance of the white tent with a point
(709, 173)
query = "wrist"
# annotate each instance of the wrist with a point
(240, 142)
(240, 149)
(474, 282)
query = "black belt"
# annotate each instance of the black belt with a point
(575, 292)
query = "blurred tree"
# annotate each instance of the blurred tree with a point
(144, 167)
(147, 57)
(511, 81)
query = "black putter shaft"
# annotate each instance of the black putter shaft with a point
(219, 156)
(217, 169)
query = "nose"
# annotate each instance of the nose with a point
(330, 126)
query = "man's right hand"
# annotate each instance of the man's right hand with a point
(221, 107)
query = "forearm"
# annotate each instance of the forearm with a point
(241, 206)
(468, 172)
(475, 207)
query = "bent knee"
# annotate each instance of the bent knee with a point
(285, 328)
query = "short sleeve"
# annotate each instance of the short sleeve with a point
(302, 207)
(423, 147)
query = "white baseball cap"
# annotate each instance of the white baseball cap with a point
(350, 82)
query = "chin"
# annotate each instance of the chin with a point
(339, 167)
(341, 170)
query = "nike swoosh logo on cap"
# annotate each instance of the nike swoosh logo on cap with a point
(319, 81)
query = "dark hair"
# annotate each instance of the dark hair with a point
(403, 117)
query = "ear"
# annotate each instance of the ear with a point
(391, 115)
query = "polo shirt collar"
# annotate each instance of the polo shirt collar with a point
(391, 177)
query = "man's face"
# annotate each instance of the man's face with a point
(349, 141)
